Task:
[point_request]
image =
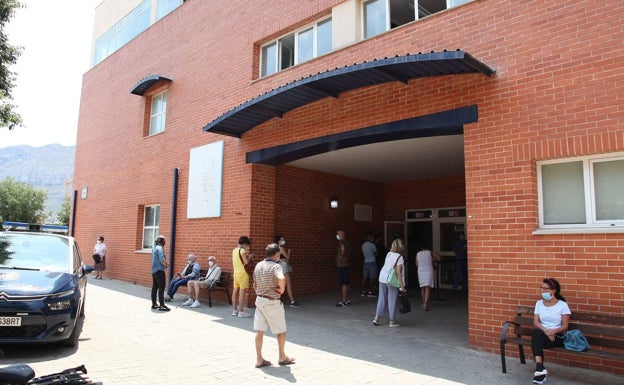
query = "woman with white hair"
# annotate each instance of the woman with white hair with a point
(212, 276)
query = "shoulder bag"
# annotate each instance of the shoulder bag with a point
(404, 303)
(392, 278)
(575, 340)
(249, 268)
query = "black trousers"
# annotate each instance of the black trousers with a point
(158, 286)
(540, 341)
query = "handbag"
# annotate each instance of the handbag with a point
(404, 303)
(392, 278)
(96, 258)
(575, 340)
(249, 268)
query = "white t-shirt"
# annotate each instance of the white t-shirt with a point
(391, 258)
(550, 316)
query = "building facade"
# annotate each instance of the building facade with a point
(503, 119)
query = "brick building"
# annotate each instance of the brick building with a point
(502, 119)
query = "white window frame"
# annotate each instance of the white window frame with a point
(591, 223)
(158, 113)
(278, 52)
(153, 228)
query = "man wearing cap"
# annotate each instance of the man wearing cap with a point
(189, 273)
(212, 276)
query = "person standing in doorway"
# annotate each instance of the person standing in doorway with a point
(342, 263)
(159, 264)
(240, 257)
(100, 249)
(424, 261)
(461, 263)
(369, 272)
(269, 284)
(284, 261)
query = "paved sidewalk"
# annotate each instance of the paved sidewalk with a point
(125, 342)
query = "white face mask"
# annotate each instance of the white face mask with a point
(211, 263)
(282, 243)
(337, 237)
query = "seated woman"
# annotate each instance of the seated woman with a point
(212, 276)
(551, 317)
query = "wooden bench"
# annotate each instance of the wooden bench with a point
(223, 284)
(605, 334)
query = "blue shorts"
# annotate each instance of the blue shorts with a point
(370, 270)
(343, 276)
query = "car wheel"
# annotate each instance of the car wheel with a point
(72, 341)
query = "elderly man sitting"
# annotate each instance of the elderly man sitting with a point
(190, 273)
(212, 276)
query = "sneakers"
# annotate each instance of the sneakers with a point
(242, 314)
(294, 304)
(540, 373)
(340, 304)
(163, 308)
(393, 325)
(363, 294)
(195, 303)
(348, 303)
(188, 302)
(539, 379)
(234, 313)
(168, 298)
(371, 294)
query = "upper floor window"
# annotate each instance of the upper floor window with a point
(151, 223)
(382, 15)
(166, 6)
(158, 113)
(582, 192)
(298, 47)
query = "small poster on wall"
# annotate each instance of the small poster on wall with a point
(205, 180)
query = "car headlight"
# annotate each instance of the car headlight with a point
(61, 301)
(60, 305)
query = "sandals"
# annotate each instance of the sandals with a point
(287, 361)
(376, 322)
(263, 364)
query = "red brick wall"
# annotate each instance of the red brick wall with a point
(557, 93)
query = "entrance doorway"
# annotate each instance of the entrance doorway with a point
(437, 229)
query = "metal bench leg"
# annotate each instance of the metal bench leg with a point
(521, 350)
(502, 350)
(209, 298)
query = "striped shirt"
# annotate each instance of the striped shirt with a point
(266, 276)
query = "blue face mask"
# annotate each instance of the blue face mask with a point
(547, 296)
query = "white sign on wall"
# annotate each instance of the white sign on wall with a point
(205, 180)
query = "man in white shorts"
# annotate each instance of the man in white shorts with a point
(269, 284)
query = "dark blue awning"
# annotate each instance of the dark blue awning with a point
(146, 83)
(333, 82)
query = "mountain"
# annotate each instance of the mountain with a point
(47, 168)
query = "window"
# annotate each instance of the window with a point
(166, 6)
(582, 192)
(299, 47)
(382, 15)
(151, 220)
(158, 113)
(135, 22)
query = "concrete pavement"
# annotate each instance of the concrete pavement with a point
(125, 342)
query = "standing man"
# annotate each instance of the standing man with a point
(342, 263)
(269, 284)
(159, 264)
(369, 276)
(461, 263)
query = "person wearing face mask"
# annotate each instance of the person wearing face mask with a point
(240, 257)
(189, 273)
(343, 257)
(284, 262)
(550, 318)
(212, 276)
(100, 250)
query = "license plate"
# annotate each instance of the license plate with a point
(10, 321)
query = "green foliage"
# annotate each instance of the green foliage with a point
(63, 214)
(8, 57)
(21, 202)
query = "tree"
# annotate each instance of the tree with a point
(21, 202)
(63, 214)
(8, 56)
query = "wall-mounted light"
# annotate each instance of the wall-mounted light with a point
(333, 203)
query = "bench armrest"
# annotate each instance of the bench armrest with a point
(503, 337)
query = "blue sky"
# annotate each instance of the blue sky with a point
(56, 37)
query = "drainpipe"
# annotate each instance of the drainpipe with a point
(73, 216)
(174, 210)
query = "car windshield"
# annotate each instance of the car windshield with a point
(34, 252)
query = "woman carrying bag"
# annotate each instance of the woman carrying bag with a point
(391, 282)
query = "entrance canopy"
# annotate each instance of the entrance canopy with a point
(334, 82)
